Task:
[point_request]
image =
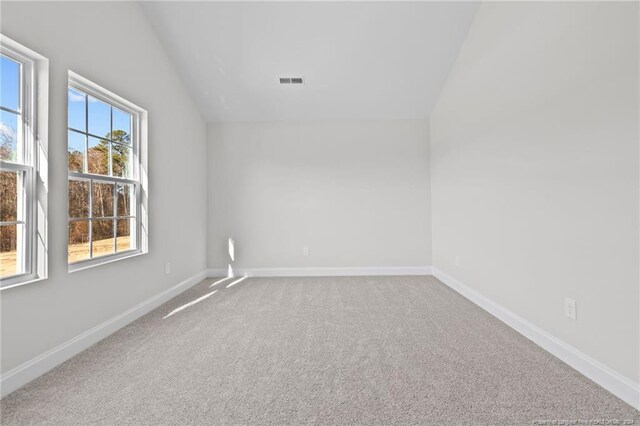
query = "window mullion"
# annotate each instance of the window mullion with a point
(115, 210)
(90, 224)
(12, 222)
(13, 111)
(110, 159)
(85, 167)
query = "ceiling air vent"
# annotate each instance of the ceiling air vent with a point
(291, 80)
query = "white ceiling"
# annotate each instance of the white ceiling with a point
(359, 60)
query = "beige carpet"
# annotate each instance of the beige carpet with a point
(336, 350)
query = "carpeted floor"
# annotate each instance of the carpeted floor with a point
(330, 350)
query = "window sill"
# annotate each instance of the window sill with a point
(24, 280)
(92, 263)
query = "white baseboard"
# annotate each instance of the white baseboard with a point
(325, 272)
(614, 382)
(24, 373)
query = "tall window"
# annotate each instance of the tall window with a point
(23, 85)
(104, 175)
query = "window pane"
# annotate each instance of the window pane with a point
(125, 196)
(9, 83)
(98, 156)
(102, 235)
(76, 110)
(121, 160)
(8, 196)
(124, 238)
(102, 199)
(9, 135)
(99, 118)
(78, 248)
(78, 198)
(10, 262)
(121, 126)
(76, 144)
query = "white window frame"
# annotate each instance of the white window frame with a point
(34, 101)
(138, 178)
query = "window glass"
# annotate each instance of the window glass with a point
(9, 196)
(124, 238)
(9, 83)
(76, 110)
(78, 198)
(10, 235)
(121, 160)
(78, 241)
(125, 196)
(121, 126)
(102, 237)
(76, 143)
(9, 135)
(99, 117)
(98, 156)
(102, 199)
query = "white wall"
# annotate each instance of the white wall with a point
(130, 62)
(355, 192)
(535, 170)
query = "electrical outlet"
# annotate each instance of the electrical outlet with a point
(305, 251)
(570, 308)
(167, 268)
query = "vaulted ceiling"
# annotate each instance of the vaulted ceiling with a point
(378, 60)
